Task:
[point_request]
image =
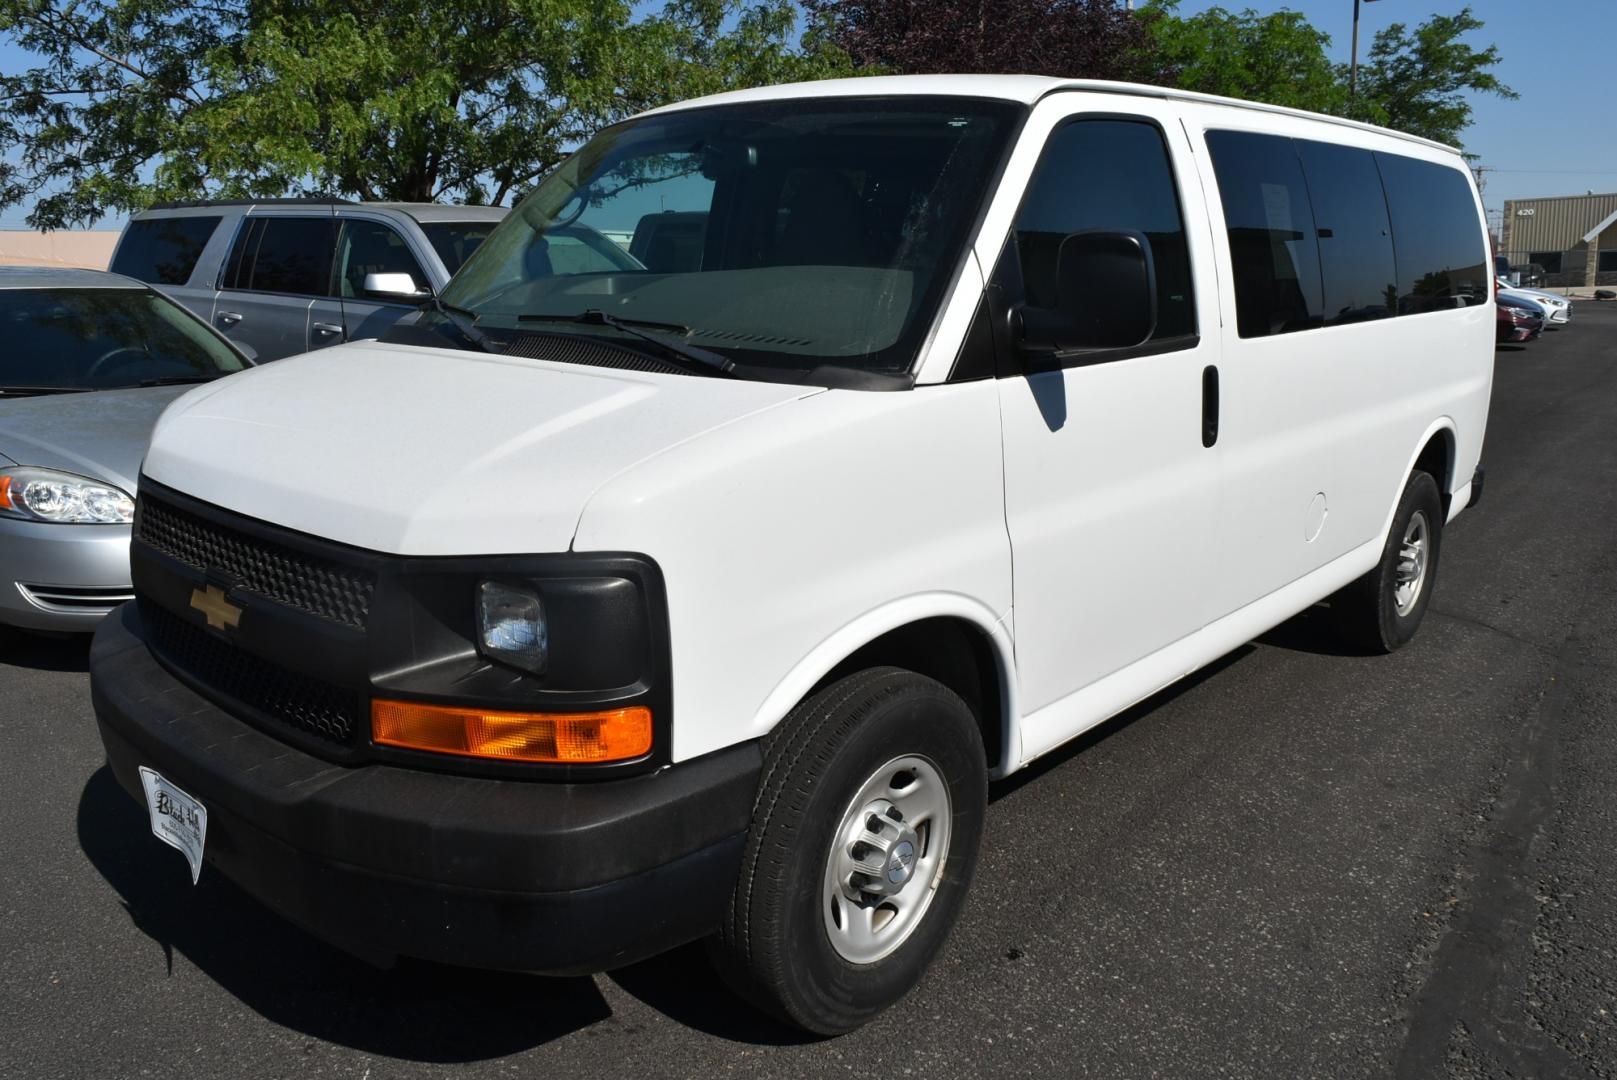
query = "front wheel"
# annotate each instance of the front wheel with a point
(864, 836)
(1381, 611)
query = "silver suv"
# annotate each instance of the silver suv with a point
(285, 276)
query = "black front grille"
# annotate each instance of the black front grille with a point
(309, 705)
(271, 570)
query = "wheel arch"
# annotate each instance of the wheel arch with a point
(1435, 453)
(950, 638)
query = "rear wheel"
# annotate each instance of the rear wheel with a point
(1381, 611)
(864, 836)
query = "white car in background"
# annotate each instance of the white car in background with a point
(1557, 308)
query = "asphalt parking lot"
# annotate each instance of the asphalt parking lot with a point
(1298, 863)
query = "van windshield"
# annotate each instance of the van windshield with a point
(782, 235)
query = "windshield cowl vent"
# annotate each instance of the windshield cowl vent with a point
(571, 349)
(756, 339)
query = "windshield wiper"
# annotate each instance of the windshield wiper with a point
(645, 329)
(462, 320)
(31, 391)
(177, 380)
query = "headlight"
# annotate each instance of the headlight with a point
(511, 627)
(48, 495)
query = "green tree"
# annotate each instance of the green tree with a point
(1418, 81)
(1415, 81)
(1278, 58)
(1078, 39)
(133, 101)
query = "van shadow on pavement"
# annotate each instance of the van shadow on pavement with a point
(1311, 632)
(416, 1011)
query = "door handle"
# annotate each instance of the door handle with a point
(1209, 405)
(327, 328)
(229, 318)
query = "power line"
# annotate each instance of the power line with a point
(1583, 172)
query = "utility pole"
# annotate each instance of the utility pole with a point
(1353, 64)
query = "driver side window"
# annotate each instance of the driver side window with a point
(1112, 175)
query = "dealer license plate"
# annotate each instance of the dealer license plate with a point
(177, 819)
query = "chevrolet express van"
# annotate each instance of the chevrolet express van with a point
(604, 608)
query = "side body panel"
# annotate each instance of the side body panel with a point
(275, 324)
(1344, 409)
(1319, 427)
(787, 539)
(1110, 494)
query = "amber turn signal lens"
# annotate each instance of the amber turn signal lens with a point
(558, 738)
(5, 493)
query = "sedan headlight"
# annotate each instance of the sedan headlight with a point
(511, 626)
(48, 495)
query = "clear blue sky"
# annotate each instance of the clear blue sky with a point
(1559, 138)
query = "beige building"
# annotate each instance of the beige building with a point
(1573, 237)
(91, 249)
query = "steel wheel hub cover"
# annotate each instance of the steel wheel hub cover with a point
(886, 859)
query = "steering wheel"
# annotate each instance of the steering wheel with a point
(106, 359)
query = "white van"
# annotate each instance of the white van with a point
(937, 420)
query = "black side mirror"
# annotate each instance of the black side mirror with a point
(1106, 292)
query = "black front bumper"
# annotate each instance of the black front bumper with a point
(388, 861)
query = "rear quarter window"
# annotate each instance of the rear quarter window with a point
(163, 251)
(1437, 235)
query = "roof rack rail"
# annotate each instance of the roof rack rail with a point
(186, 204)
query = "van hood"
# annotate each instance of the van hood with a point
(419, 451)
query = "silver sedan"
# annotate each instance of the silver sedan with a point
(88, 361)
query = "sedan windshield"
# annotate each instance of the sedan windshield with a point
(99, 339)
(782, 235)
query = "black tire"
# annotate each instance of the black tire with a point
(774, 947)
(1366, 612)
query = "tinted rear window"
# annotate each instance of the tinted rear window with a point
(163, 251)
(1442, 259)
(1355, 237)
(1271, 231)
(284, 255)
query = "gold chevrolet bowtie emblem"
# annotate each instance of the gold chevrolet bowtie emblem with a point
(221, 613)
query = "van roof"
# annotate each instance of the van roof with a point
(1026, 89)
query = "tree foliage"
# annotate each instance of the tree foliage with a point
(1093, 39)
(1414, 81)
(1278, 58)
(133, 101)
(1417, 81)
